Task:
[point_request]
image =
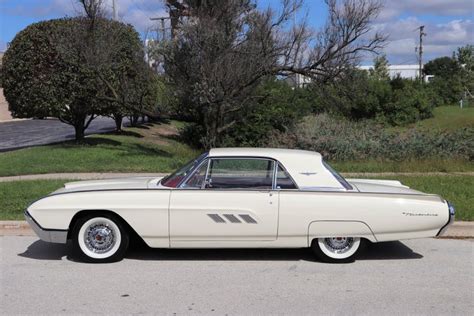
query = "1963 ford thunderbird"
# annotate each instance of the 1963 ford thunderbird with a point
(238, 197)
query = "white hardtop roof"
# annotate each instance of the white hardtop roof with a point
(275, 153)
(304, 166)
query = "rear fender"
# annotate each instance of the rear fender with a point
(337, 228)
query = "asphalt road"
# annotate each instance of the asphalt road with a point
(428, 276)
(26, 133)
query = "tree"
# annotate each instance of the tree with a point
(380, 70)
(444, 67)
(465, 57)
(40, 79)
(225, 48)
(448, 78)
(64, 68)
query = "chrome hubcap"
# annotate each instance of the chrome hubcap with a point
(99, 238)
(339, 244)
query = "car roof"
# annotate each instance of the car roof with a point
(276, 153)
(305, 167)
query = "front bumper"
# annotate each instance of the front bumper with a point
(452, 213)
(49, 235)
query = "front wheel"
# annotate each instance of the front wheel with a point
(100, 239)
(336, 249)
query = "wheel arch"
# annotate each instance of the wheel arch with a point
(339, 228)
(83, 213)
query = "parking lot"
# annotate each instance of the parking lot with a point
(428, 276)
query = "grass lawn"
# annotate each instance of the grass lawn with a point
(16, 196)
(448, 118)
(459, 190)
(423, 165)
(149, 148)
(155, 148)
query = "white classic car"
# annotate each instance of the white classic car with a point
(238, 198)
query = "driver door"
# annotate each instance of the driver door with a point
(226, 200)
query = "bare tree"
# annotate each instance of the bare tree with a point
(224, 48)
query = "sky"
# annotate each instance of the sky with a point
(448, 23)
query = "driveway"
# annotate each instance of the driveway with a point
(26, 133)
(426, 276)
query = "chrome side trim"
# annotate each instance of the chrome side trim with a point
(50, 235)
(231, 218)
(248, 219)
(216, 218)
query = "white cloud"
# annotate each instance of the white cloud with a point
(394, 8)
(441, 38)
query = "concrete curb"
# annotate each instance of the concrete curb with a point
(459, 229)
(111, 175)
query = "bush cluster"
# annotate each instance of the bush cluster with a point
(361, 95)
(340, 139)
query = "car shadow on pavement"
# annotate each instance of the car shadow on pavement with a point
(381, 251)
(41, 250)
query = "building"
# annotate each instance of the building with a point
(404, 71)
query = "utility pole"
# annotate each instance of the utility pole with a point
(115, 11)
(420, 52)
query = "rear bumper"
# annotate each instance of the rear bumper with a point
(49, 235)
(452, 213)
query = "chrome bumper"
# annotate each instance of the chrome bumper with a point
(49, 235)
(452, 213)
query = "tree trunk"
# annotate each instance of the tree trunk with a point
(118, 122)
(79, 128)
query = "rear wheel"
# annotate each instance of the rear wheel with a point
(100, 238)
(336, 249)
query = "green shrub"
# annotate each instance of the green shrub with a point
(359, 95)
(342, 140)
(275, 106)
(409, 104)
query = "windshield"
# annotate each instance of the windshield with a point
(339, 178)
(175, 179)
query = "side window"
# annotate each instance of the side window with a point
(284, 180)
(197, 179)
(240, 173)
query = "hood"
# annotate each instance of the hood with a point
(381, 186)
(110, 184)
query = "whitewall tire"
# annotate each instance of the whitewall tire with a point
(337, 249)
(100, 238)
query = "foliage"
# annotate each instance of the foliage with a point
(453, 76)
(67, 68)
(444, 67)
(360, 95)
(380, 70)
(339, 139)
(274, 106)
(410, 103)
(209, 66)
